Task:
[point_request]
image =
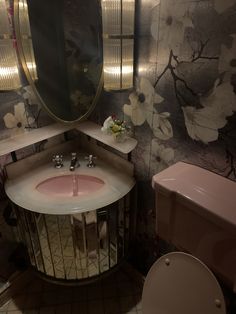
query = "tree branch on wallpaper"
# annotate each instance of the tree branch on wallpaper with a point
(199, 54)
(31, 104)
(33, 112)
(230, 158)
(206, 114)
(172, 68)
(26, 112)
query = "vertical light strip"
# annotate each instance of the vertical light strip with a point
(9, 73)
(118, 41)
(26, 39)
(121, 44)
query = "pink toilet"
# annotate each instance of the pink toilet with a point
(196, 212)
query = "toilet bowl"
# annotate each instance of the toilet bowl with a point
(179, 283)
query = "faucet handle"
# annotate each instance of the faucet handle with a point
(91, 163)
(58, 160)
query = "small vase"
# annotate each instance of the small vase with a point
(119, 137)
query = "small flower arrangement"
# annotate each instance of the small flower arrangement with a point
(115, 127)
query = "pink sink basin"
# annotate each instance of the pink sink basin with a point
(70, 185)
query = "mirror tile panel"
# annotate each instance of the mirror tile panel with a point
(78, 246)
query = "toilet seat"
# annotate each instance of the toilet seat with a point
(179, 283)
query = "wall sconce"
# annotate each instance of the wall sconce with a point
(9, 72)
(118, 43)
(26, 39)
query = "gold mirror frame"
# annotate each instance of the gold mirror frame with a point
(31, 82)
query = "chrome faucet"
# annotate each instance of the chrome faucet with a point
(58, 161)
(91, 163)
(73, 161)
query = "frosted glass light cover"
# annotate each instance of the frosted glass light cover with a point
(111, 17)
(9, 73)
(128, 17)
(127, 63)
(118, 33)
(4, 20)
(112, 64)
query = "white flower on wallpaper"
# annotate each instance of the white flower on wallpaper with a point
(222, 99)
(142, 109)
(160, 125)
(142, 101)
(29, 95)
(147, 93)
(136, 110)
(77, 97)
(203, 124)
(18, 121)
(174, 19)
(161, 157)
(222, 6)
(227, 59)
(107, 124)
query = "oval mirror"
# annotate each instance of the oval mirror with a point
(60, 48)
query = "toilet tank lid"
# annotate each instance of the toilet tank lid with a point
(210, 191)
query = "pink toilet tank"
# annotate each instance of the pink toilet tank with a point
(196, 211)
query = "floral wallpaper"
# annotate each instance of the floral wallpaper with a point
(20, 110)
(183, 106)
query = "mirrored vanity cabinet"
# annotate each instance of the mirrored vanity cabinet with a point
(76, 223)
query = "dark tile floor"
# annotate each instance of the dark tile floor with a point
(116, 294)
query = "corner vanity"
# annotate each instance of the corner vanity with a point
(75, 224)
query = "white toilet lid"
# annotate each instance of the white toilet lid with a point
(179, 283)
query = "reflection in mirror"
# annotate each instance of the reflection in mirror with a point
(61, 52)
(78, 246)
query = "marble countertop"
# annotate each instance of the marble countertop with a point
(22, 189)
